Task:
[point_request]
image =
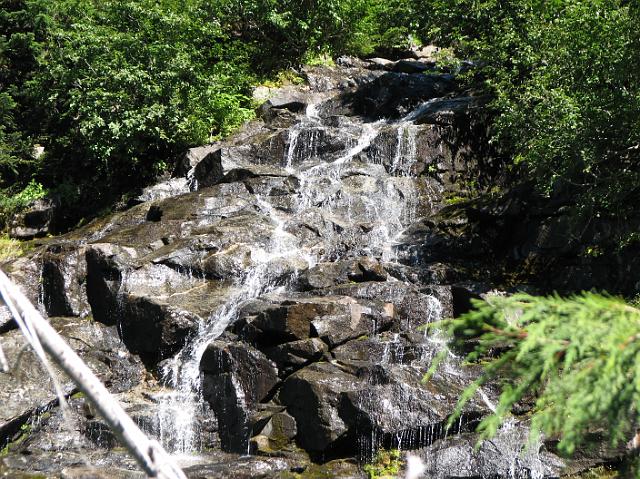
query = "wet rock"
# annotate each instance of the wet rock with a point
(331, 80)
(236, 377)
(289, 321)
(166, 189)
(104, 279)
(287, 99)
(227, 263)
(333, 319)
(27, 388)
(71, 465)
(463, 295)
(508, 454)
(51, 431)
(154, 329)
(293, 355)
(245, 467)
(274, 432)
(411, 150)
(25, 274)
(434, 273)
(64, 280)
(38, 219)
(449, 111)
(394, 95)
(448, 232)
(155, 306)
(154, 213)
(412, 66)
(412, 308)
(380, 64)
(396, 410)
(324, 275)
(207, 172)
(88, 472)
(363, 319)
(6, 319)
(385, 348)
(192, 157)
(272, 186)
(339, 468)
(312, 397)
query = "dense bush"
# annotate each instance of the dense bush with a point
(116, 89)
(566, 76)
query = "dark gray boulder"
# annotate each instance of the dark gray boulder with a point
(324, 275)
(284, 99)
(451, 110)
(393, 95)
(333, 319)
(293, 355)
(395, 409)
(274, 431)
(208, 171)
(38, 219)
(508, 454)
(377, 63)
(412, 308)
(312, 397)
(236, 377)
(27, 389)
(413, 66)
(64, 279)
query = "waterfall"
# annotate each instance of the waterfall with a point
(386, 202)
(178, 409)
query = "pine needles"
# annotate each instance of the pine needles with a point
(578, 356)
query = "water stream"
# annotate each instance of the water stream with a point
(385, 202)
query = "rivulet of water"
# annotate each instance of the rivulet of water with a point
(362, 214)
(179, 409)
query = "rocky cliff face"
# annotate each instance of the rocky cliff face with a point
(270, 298)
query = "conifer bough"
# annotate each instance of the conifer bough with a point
(579, 357)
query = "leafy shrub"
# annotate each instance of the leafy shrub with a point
(566, 80)
(386, 464)
(131, 84)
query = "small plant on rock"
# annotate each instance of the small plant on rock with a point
(386, 464)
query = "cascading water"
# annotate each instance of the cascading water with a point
(384, 202)
(314, 235)
(179, 409)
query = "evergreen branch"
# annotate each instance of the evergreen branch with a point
(579, 355)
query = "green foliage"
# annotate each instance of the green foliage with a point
(388, 25)
(124, 86)
(578, 356)
(566, 80)
(386, 464)
(10, 249)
